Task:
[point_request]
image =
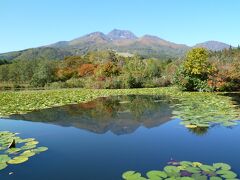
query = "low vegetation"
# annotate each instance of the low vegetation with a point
(194, 109)
(21, 150)
(186, 170)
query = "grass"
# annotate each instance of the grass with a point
(195, 109)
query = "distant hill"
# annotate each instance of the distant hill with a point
(37, 53)
(122, 41)
(213, 45)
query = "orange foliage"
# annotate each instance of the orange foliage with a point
(63, 73)
(224, 74)
(86, 70)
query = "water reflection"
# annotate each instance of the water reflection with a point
(119, 114)
(200, 131)
(235, 97)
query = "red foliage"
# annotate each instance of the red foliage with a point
(224, 75)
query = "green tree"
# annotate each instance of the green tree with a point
(4, 73)
(197, 63)
(44, 73)
(195, 71)
(152, 68)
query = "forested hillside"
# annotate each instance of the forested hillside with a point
(199, 70)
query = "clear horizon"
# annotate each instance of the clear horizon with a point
(29, 24)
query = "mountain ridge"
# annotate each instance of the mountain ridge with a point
(213, 45)
(122, 41)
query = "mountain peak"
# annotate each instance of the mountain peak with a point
(97, 33)
(117, 34)
(213, 45)
(92, 38)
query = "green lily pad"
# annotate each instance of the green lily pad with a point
(156, 175)
(186, 178)
(3, 166)
(28, 153)
(193, 170)
(4, 158)
(31, 143)
(13, 150)
(186, 163)
(172, 171)
(207, 168)
(199, 177)
(215, 178)
(131, 175)
(186, 170)
(222, 166)
(18, 160)
(27, 147)
(227, 174)
(40, 149)
(17, 155)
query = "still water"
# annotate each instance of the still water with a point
(101, 139)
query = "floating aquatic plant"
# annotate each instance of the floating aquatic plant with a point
(195, 109)
(186, 170)
(21, 150)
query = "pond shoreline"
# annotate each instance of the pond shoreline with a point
(208, 106)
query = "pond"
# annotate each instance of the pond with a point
(103, 138)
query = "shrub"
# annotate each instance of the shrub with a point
(75, 83)
(112, 83)
(55, 85)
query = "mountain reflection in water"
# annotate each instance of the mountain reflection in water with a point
(118, 114)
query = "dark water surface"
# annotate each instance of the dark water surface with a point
(99, 140)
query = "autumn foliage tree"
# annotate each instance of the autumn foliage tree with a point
(195, 71)
(86, 70)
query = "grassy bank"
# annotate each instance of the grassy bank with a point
(195, 109)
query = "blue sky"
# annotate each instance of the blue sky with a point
(32, 23)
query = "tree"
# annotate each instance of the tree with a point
(195, 71)
(86, 70)
(152, 68)
(197, 64)
(44, 73)
(4, 73)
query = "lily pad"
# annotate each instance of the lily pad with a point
(18, 160)
(222, 166)
(21, 153)
(215, 178)
(28, 153)
(3, 166)
(172, 171)
(156, 175)
(227, 174)
(186, 170)
(131, 175)
(207, 168)
(4, 158)
(40, 149)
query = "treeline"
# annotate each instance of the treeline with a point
(200, 70)
(104, 69)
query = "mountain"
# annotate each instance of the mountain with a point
(122, 41)
(117, 34)
(213, 45)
